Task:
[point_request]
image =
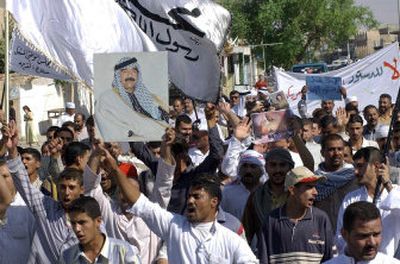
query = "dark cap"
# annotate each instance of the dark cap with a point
(280, 154)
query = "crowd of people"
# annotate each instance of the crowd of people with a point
(208, 191)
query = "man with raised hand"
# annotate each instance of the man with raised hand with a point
(196, 237)
(121, 224)
(54, 231)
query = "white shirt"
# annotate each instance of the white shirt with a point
(367, 143)
(16, 233)
(380, 258)
(296, 158)
(65, 118)
(220, 246)
(315, 150)
(197, 156)
(230, 162)
(234, 198)
(133, 230)
(113, 251)
(389, 207)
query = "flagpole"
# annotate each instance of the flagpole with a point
(7, 71)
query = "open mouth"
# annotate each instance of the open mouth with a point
(191, 210)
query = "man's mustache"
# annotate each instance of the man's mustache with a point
(130, 79)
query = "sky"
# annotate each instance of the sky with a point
(385, 11)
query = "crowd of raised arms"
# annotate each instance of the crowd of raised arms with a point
(207, 191)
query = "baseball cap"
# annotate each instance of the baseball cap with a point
(301, 175)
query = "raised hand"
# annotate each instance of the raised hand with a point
(342, 117)
(242, 130)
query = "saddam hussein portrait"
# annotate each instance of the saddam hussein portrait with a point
(132, 104)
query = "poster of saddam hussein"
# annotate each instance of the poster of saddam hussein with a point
(131, 96)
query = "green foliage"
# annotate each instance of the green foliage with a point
(303, 26)
(2, 54)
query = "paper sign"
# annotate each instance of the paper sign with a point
(323, 88)
(278, 100)
(271, 126)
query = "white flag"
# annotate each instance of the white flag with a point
(367, 79)
(192, 31)
(69, 32)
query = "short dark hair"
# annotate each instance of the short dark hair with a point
(327, 120)
(233, 92)
(63, 128)
(154, 144)
(73, 150)
(362, 210)
(355, 119)
(306, 122)
(385, 95)
(351, 107)
(71, 174)
(328, 138)
(369, 107)
(90, 121)
(34, 152)
(68, 124)
(370, 154)
(87, 205)
(52, 129)
(210, 182)
(182, 119)
(82, 115)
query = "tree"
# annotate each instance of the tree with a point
(301, 25)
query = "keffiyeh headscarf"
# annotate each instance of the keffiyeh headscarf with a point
(141, 93)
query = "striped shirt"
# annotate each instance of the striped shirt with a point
(53, 231)
(113, 251)
(284, 241)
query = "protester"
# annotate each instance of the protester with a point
(94, 246)
(368, 167)
(306, 229)
(340, 177)
(362, 231)
(355, 129)
(81, 131)
(69, 114)
(371, 115)
(385, 109)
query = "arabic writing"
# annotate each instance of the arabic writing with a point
(32, 61)
(152, 24)
(292, 96)
(360, 76)
(396, 73)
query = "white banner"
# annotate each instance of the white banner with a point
(366, 79)
(69, 32)
(24, 58)
(192, 31)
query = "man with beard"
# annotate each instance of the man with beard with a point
(81, 131)
(362, 231)
(196, 237)
(368, 168)
(269, 196)
(235, 194)
(385, 109)
(371, 115)
(340, 177)
(306, 230)
(129, 95)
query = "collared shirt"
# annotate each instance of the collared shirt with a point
(197, 156)
(369, 134)
(366, 143)
(53, 231)
(220, 246)
(380, 258)
(16, 232)
(133, 230)
(308, 240)
(113, 251)
(388, 205)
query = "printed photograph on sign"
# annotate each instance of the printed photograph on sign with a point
(131, 96)
(323, 88)
(278, 100)
(271, 126)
